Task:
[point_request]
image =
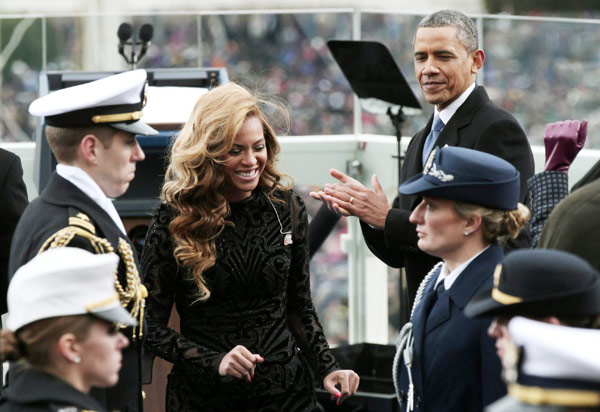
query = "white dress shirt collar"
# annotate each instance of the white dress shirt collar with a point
(447, 113)
(87, 185)
(449, 278)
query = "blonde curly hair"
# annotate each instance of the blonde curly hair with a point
(195, 181)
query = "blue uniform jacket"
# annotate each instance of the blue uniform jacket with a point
(455, 365)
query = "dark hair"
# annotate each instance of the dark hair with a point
(466, 30)
(33, 342)
(587, 322)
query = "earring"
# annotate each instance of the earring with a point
(466, 233)
(77, 359)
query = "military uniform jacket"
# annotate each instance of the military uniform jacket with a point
(478, 124)
(46, 215)
(13, 200)
(37, 391)
(455, 366)
(574, 224)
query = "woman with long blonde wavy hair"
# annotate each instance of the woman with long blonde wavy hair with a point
(229, 247)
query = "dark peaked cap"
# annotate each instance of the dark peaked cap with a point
(469, 176)
(540, 282)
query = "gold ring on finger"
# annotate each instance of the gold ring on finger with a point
(351, 199)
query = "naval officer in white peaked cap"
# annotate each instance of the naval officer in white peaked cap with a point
(63, 308)
(116, 101)
(557, 369)
(91, 129)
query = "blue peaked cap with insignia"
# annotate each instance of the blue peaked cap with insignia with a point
(468, 176)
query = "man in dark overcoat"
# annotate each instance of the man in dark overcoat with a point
(13, 200)
(447, 59)
(91, 130)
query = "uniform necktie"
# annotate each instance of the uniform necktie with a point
(441, 288)
(439, 291)
(433, 298)
(436, 128)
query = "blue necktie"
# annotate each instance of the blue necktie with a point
(439, 291)
(436, 128)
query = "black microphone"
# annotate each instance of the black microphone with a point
(124, 34)
(145, 35)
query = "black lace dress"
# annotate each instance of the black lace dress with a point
(260, 299)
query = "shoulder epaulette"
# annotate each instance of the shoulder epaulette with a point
(79, 225)
(133, 292)
(83, 221)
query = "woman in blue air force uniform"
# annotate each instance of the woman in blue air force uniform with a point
(469, 200)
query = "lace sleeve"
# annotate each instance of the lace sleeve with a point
(159, 270)
(302, 317)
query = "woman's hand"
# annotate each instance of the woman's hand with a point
(563, 140)
(240, 363)
(346, 379)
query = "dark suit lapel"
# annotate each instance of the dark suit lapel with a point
(450, 134)
(440, 313)
(413, 160)
(476, 276)
(413, 164)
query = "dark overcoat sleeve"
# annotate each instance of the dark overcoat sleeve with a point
(13, 200)
(478, 124)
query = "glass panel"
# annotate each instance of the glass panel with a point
(174, 42)
(287, 55)
(396, 33)
(65, 43)
(544, 71)
(88, 43)
(329, 277)
(21, 47)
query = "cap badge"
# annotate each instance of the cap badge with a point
(497, 275)
(444, 177)
(145, 95)
(500, 296)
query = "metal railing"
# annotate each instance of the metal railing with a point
(540, 69)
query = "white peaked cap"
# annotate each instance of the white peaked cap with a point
(115, 100)
(555, 351)
(65, 281)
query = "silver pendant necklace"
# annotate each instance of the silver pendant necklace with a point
(287, 236)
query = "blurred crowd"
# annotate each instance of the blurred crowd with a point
(530, 65)
(538, 70)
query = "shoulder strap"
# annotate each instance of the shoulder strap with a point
(132, 293)
(79, 225)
